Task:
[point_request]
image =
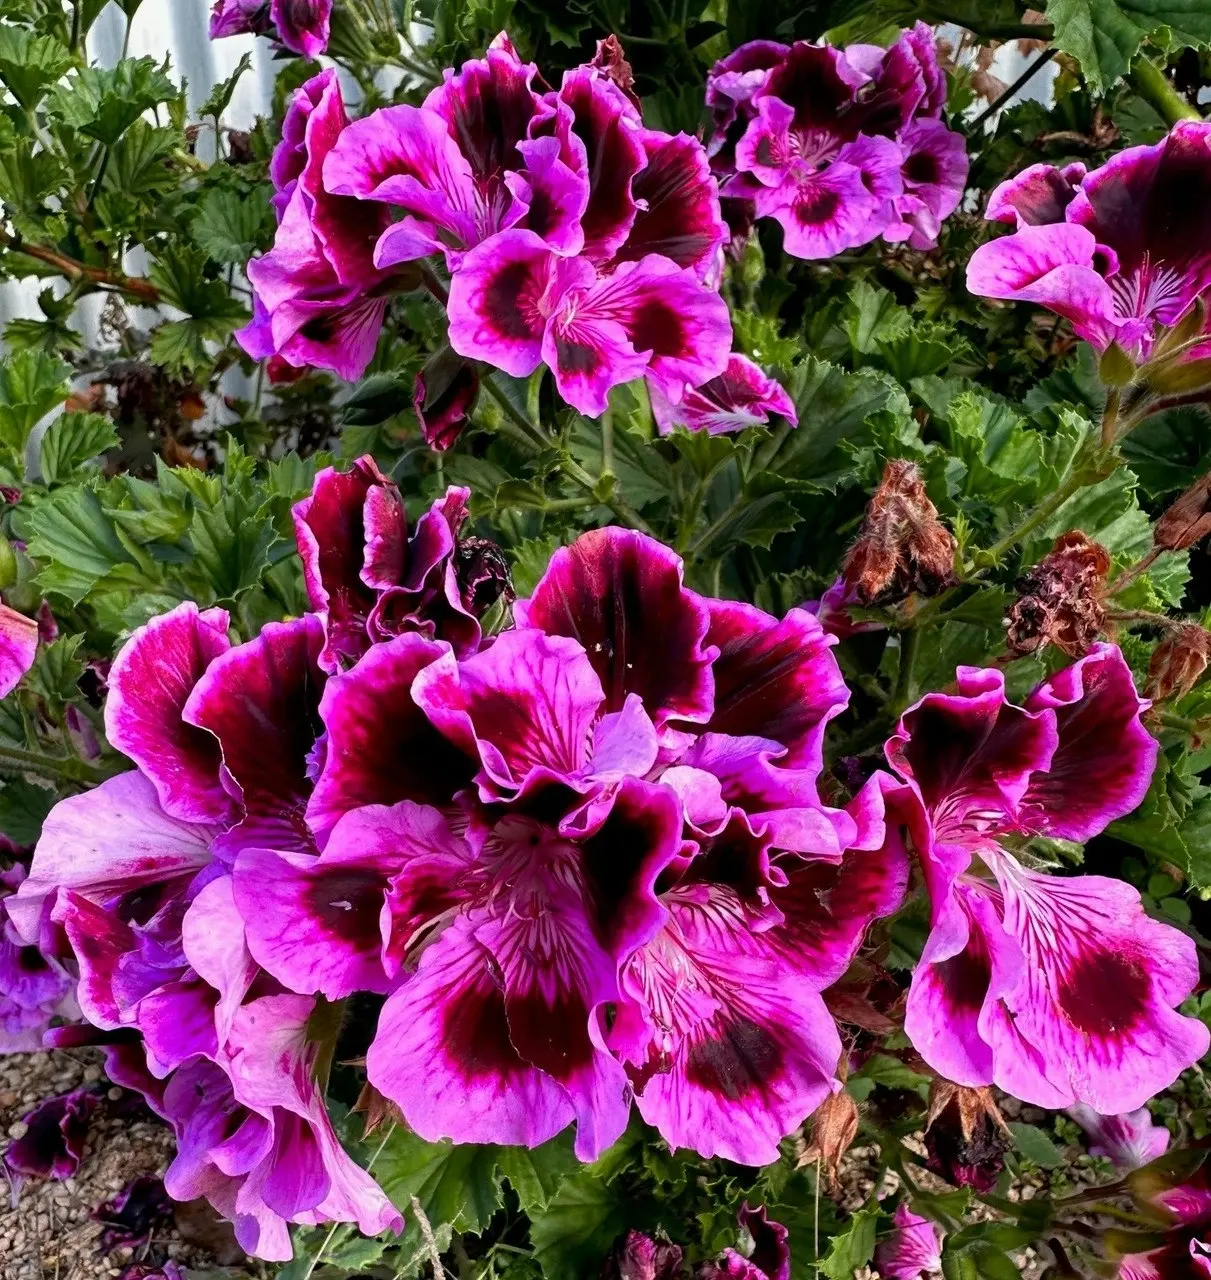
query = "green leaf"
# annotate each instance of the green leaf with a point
(1035, 1145)
(536, 1175)
(872, 317)
(30, 63)
(1104, 35)
(456, 1186)
(31, 384)
(103, 103)
(220, 96)
(70, 532)
(57, 669)
(23, 809)
(231, 225)
(72, 439)
(585, 1217)
(852, 1248)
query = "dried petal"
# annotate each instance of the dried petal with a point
(834, 1128)
(1188, 520)
(1178, 662)
(1060, 600)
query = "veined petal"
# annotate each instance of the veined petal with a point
(741, 396)
(621, 596)
(149, 684)
(730, 1052)
(18, 645)
(554, 194)
(825, 213)
(380, 747)
(588, 357)
(261, 700)
(1038, 196)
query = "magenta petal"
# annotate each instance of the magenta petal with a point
(149, 684)
(1095, 1003)
(678, 200)
(1104, 762)
(733, 80)
(913, 1249)
(525, 706)
(443, 1054)
(589, 355)
(775, 680)
(738, 1052)
(500, 298)
(668, 313)
(260, 700)
(554, 194)
(620, 594)
(1037, 196)
(1129, 1140)
(741, 396)
(825, 213)
(18, 645)
(1054, 266)
(302, 25)
(214, 943)
(380, 746)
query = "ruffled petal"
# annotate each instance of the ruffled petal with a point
(18, 645)
(149, 684)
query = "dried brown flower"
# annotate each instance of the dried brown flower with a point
(1178, 662)
(834, 1128)
(377, 1109)
(1060, 600)
(965, 1135)
(611, 59)
(902, 546)
(1188, 520)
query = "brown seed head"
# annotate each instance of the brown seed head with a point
(902, 547)
(1060, 600)
(1178, 662)
(834, 1128)
(1188, 520)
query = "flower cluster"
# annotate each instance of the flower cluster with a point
(302, 26)
(1121, 252)
(840, 146)
(574, 235)
(582, 864)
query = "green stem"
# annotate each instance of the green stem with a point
(70, 769)
(905, 690)
(607, 443)
(1151, 83)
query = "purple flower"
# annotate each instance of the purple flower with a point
(34, 987)
(613, 804)
(517, 305)
(367, 578)
(1056, 989)
(134, 1213)
(302, 26)
(134, 880)
(18, 645)
(741, 396)
(840, 146)
(443, 395)
(639, 1257)
(1129, 1140)
(1185, 1251)
(913, 1249)
(769, 1258)
(141, 1271)
(1121, 252)
(55, 1134)
(319, 298)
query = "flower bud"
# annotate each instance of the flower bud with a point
(639, 1257)
(8, 564)
(443, 396)
(902, 547)
(1060, 600)
(1178, 662)
(1188, 520)
(483, 575)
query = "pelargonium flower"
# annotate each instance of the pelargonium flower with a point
(639, 1257)
(611, 806)
(576, 235)
(18, 647)
(1058, 989)
(142, 1271)
(368, 578)
(133, 878)
(913, 1249)
(55, 1133)
(134, 1213)
(768, 1259)
(1121, 252)
(1184, 1251)
(741, 396)
(34, 987)
(319, 298)
(840, 146)
(302, 26)
(1129, 1140)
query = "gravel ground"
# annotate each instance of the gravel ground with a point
(49, 1234)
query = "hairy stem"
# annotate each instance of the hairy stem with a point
(135, 286)
(1151, 83)
(66, 768)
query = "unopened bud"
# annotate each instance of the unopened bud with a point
(1060, 600)
(377, 1109)
(1178, 662)
(483, 575)
(8, 564)
(639, 1257)
(902, 547)
(443, 395)
(1188, 520)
